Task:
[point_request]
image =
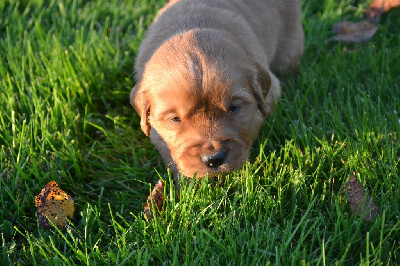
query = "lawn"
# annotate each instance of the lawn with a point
(66, 71)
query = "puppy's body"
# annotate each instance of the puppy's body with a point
(204, 80)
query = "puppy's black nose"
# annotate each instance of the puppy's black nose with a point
(214, 161)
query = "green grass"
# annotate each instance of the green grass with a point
(65, 78)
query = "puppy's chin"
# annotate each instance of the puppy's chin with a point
(204, 171)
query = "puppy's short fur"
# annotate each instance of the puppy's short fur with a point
(205, 85)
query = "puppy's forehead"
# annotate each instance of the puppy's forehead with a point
(188, 70)
(189, 96)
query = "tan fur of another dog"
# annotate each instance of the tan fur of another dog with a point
(200, 59)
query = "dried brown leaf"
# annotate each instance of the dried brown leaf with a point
(359, 201)
(354, 31)
(155, 200)
(378, 7)
(54, 204)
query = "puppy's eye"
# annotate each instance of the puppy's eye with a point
(176, 120)
(233, 109)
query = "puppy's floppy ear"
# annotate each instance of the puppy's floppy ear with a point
(140, 101)
(261, 87)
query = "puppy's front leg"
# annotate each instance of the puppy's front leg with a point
(274, 93)
(165, 154)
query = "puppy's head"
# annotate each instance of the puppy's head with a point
(206, 100)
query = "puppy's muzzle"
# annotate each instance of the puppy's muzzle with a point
(215, 160)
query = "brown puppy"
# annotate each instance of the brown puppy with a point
(205, 85)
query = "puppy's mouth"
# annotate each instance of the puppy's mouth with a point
(213, 164)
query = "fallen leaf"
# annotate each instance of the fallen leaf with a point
(354, 31)
(54, 204)
(359, 201)
(156, 197)
(378, 7)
